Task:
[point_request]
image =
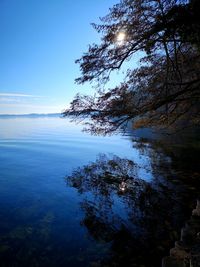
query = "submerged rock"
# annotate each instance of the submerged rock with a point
(186, 252)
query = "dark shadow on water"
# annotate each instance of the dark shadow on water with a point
(139, 219)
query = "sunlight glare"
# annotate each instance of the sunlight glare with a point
(121, 37)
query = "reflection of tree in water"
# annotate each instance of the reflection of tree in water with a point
(140, 219)
(175, 158)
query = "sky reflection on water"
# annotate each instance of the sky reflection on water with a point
(61, 203)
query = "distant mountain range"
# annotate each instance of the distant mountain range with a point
(32, 115)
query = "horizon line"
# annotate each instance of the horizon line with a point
(22, 114)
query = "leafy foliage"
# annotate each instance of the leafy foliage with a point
(164, 90)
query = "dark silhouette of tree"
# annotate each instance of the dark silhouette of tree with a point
(163, 91)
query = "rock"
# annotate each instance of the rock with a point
(171, 262)
(178, 253)
(196, 212)
(187, 250)
(188, 235)
(181, 245)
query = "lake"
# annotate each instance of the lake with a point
(71, 199)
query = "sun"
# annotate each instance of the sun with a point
(121, 36)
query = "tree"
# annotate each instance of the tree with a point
(164, 90)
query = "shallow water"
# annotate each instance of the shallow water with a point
(57, 208)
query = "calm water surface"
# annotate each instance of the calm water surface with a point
(62, 201)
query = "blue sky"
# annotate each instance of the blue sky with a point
(40, 40)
